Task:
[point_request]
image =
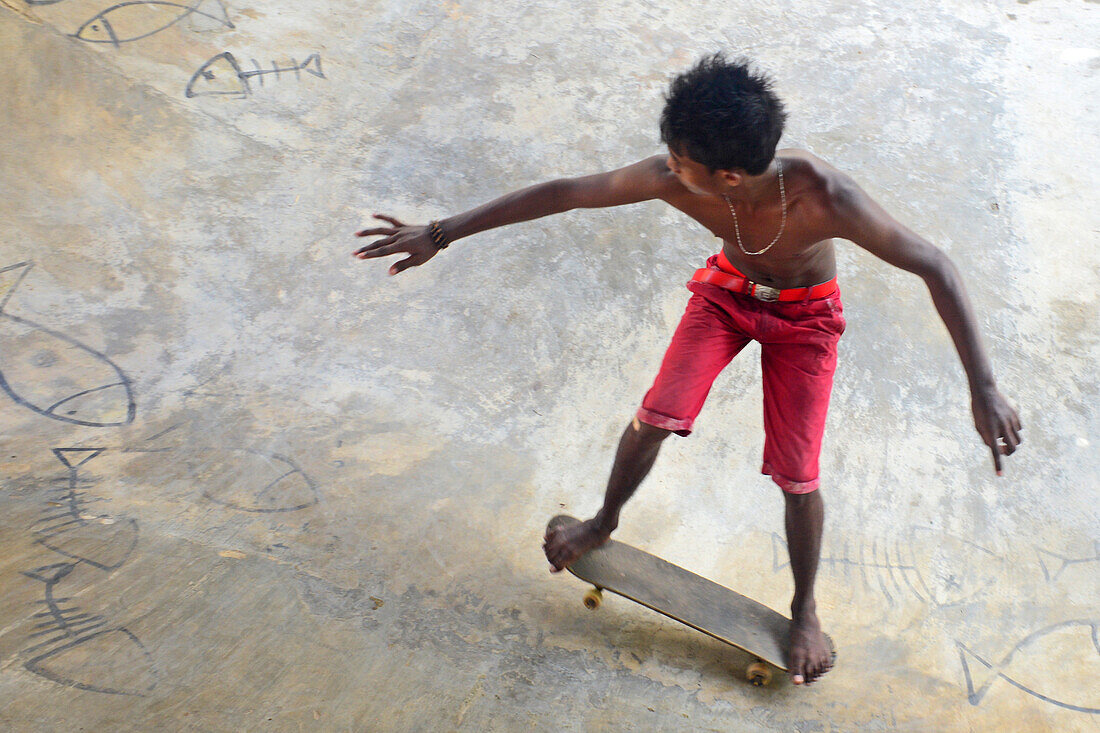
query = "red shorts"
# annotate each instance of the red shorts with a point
(798, 357)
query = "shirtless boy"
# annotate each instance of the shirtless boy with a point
(774, 281)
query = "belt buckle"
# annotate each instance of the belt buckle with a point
(764, 292)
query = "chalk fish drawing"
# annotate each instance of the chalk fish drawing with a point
(78, 651)
(223, 76)
(1062, 656)
(242, 479)
(132, 21)
(1062, 561)
(937, 570)
(40, 369)
(43, 2)
(251, 481)
(69, 529)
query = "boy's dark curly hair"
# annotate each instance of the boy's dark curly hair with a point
(724, 115)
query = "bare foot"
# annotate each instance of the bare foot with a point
(810, 654)
(563, 545)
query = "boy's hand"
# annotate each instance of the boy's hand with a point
(997, 423)
(399, 237)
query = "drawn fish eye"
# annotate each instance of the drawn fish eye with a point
(95, 27)
(208, 75)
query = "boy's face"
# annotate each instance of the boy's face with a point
(697, 178)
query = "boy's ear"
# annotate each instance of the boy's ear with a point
(732, 177)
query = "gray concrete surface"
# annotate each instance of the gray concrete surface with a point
(249, 483)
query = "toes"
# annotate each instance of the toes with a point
(807, 670)
(798, 671)
(558, 558)
(556, 550)
(817, 670)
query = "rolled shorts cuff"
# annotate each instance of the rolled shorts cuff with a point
(657, 420)
(788, 485)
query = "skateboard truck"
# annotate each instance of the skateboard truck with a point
(759, 673)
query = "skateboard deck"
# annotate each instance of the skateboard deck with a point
(688, 598)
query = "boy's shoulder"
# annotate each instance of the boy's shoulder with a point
(831, 188)
(813, 170)
(661, 182)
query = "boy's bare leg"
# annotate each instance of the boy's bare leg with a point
(637, 451)
(805, 513)
(810, 657)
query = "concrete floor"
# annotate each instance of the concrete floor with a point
(250, 483)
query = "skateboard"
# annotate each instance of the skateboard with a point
(688, 598)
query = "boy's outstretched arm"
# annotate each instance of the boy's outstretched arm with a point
(641, 181)
(865, 223)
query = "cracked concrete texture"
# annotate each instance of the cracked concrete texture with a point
(313, 498)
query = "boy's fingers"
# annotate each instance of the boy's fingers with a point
(997, 458)
(377, 250)
(366, 251)
(390, 219)
(372, 232)
(378, 243)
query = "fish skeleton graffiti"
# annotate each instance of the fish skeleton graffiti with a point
(1063, 656)
(69, 645)
(930, 567)
(1060, 563)
(69, 529)
(223, 76)
(78, 651)
(132, 21)
(57, 376)
(254, 481)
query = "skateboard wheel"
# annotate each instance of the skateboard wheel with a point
(593, 598)
(759, 674)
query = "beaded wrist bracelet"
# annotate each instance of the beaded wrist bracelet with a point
(439, 239)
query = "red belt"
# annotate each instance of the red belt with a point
(762, 292)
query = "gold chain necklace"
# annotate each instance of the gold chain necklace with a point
(782, 222)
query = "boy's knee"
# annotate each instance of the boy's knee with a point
(801, 499)
(649, 433)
